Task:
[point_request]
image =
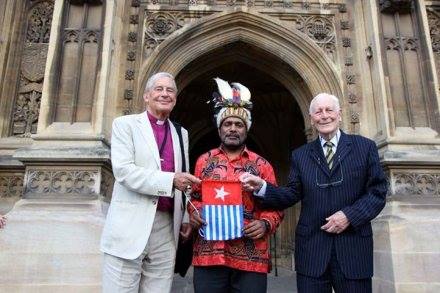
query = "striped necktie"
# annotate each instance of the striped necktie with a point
(329, 154)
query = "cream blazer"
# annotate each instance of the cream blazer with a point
(138, 183)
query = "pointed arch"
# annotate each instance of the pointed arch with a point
(241, 25)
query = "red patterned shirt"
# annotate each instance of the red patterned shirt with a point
(243, 253)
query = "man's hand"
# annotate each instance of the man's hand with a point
(336, 223)
(255, 229)
(196, 221)
(185, 231)
(251, 182)
(182, 181)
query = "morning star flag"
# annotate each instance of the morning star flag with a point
(222, 209)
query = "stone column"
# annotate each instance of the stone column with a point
(53, 233)
(403, 115)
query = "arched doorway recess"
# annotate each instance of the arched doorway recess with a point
(282, 68)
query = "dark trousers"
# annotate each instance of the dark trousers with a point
(220, 279)
(332, 277)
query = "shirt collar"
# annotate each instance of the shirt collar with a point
(154, 120)
(334, 140)
(244, 152)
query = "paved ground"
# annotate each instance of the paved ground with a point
(283, 283)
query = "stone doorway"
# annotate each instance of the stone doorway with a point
(278, 123)
(283, 69)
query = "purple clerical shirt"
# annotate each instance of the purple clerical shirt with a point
(165, 204)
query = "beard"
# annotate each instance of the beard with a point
(235, 145)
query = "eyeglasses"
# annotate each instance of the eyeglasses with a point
(332, 183)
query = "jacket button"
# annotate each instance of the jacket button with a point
(154, 202)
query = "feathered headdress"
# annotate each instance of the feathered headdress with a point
(232, 101)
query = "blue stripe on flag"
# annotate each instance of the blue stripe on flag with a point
(224, 222)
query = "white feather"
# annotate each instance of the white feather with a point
(245, 94)
(224, 88)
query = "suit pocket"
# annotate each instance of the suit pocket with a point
(302, 230)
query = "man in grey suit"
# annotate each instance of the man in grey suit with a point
(146, 212)
(342, 187)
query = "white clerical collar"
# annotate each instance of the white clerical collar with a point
(160, 122)
(155, 120)
(334, 140)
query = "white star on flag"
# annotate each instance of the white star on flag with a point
(221, 193)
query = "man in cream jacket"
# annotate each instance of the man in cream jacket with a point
(146, 212)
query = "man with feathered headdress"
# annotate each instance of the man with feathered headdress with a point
(240, 261)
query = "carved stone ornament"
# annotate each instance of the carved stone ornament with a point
(286, 3)
(392, 44)
(26, 111)
(399, 43)
(348, 61)
(71, 36)
(39, 23)
(132, 37)
(306, 6)
(320, 29)
(135, 3)
(345, 25)
(11, 186)
(131, 55)
(33, 61)
(82, 182)
(354, 117)
(128, 94)
(268, 3)
(134, 19)
(420, 184)
(129, 74)
(159, 25)
(393, 6)
(346, 42)
(343, 8)
(250, 3)
(32, 66)
(434, 30)
(352, 98)
(350, 78)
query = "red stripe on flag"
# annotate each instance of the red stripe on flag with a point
(221, 192)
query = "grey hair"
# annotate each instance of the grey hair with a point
(321, 95)
(152, 80)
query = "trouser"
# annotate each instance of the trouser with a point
(333, 277)
(152, 271)
(221, 279)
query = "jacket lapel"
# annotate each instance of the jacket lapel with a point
(147, 132)
(343, 149)
(176, 148)
(318, 156)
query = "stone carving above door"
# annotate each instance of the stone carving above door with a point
(159, 25)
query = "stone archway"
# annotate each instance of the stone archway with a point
(263, 55)
(299, 53)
